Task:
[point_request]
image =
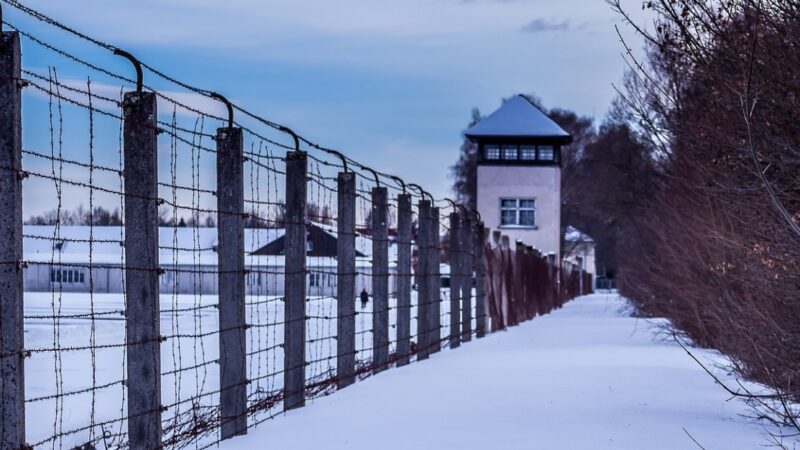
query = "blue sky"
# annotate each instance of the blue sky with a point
(390, 83)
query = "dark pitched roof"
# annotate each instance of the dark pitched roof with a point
(321, 244)
(518, 117)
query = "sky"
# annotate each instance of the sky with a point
(391, 84)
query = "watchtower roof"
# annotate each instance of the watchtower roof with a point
(519, 118)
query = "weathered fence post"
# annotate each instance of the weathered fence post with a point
(142, 270)
(346, 280)
(295, 281)
(230, 251)
(422, 275)
(380, 279)
(403, 278)
(508, 281)
(454, 258)
(12, 374)
(498, 272)
(480, 235)
(435, 279)
(466, 277)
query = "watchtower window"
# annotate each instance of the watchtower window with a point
(527, 152)
(518, 212)
(510, 152)
(492, 152)
(546, 153)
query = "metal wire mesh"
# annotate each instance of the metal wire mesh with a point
(77, 368)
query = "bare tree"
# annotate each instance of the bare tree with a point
(715, 248)
(465, 171)
(98, 216)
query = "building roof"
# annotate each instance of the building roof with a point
(575, 235)
(320, 242)
(178, 246)
(518, 117)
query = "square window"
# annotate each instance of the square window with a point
(527, 153)
(508, 217)
(492, 152)
(518, 211)
(546, 153)
(527, 218)
(510, 152)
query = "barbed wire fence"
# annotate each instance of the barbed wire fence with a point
(219, 276)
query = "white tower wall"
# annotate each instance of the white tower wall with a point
(541, 183)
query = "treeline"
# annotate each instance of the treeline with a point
(100, 216)
(97, 216)
(605, 178)
(713, 239)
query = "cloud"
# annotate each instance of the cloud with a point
(354, 74)
(492, 1)
(544, 25)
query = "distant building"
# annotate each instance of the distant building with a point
(519, 174)
(62, 259)
(579, 250)
(319, 242)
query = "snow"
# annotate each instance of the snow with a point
(54, 386)
(517, 117)
(179, 246)
(575, 235)
(588, 376)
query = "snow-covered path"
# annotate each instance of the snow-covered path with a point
(584, 377)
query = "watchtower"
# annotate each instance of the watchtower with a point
(519, 173)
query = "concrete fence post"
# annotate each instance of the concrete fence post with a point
(142, 270)
(422, 276)
(498, 258)
(380, 279)
(454, 259)
(230, 251)
(435, 279)
(346, 280)
(12, 373)
(480, 235)
(506, 280)
(295, 282)
(403, 275)
(466, 264)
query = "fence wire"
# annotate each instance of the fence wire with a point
(74, 246)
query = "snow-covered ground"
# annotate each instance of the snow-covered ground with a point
(63, 410)
(585, 377)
